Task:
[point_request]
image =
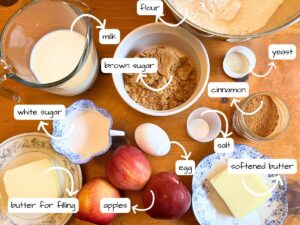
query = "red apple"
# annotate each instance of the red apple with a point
(172, 198)
(128, 168)
(89, 201)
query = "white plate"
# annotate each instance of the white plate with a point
(23, 149)
(209, 208)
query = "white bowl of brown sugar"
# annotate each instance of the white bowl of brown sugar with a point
(183, 70)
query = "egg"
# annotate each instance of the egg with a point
(152, 139)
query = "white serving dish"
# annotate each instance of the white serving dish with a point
(157, 34)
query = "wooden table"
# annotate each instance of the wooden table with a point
(122, 15)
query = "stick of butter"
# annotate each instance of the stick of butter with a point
(30, 181)
(236, 197)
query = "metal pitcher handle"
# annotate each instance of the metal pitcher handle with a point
(4, 91)
(116, 133)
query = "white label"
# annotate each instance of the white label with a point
(109, 36)
(262, 166)
(228, 89)
(129, 65)
(224, 145)
(282, 52)
(39, 112)
(185, 167)
(43, 205)
(115, 205)
(150, 8)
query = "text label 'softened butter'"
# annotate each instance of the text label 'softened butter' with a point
(262, 166)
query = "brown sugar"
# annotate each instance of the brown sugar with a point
(264, 122)
(169, 64)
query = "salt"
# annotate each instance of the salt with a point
(199, 129)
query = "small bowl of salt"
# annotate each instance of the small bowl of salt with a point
(204, 125)
(239, 62)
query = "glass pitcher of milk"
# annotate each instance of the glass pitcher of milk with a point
(38, 49)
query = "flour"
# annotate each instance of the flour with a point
(236, 17)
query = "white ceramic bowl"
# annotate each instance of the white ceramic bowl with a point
(246, 52)
(157, 34)
(211, 118)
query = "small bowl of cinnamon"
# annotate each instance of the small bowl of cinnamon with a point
(262, 116)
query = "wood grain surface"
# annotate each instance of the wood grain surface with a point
(122, 15)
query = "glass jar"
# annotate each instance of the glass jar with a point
(242, 129)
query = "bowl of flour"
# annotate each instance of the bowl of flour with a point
(235, 20)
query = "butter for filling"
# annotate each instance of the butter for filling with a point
(236, 197)
(30, 181)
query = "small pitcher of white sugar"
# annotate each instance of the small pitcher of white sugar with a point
(86, 132)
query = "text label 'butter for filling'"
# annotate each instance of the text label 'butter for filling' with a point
(43, 205)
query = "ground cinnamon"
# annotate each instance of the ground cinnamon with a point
(264, 122)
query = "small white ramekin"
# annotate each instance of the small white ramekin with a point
(158, 34)
(213, 120)
(246, 52)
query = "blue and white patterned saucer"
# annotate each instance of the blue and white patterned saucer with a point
(209, 208)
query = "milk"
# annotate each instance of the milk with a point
(56, 55)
